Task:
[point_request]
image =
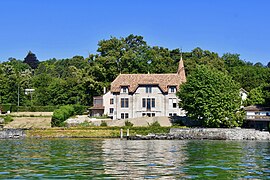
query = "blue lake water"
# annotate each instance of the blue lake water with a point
(121, 159)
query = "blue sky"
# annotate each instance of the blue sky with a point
(65, 28)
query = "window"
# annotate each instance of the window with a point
(124, 102)
(144, 102)
(172, 89)
(111, 110)
(173, 102)
(124, 90)
(148, 103)
(172, 114)
(153, 103)
(148, 114)
(148, 89)
(111, 101)
(124, 115)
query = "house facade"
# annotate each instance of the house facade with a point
(139, 95)
(257, 117)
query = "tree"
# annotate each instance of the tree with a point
(31, 60)
(211, 97)
(259, 95)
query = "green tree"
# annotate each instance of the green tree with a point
(31, 60)
(211, 97)
(259, 95)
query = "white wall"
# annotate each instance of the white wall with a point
(136, 109)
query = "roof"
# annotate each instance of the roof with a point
(163, 81)
(256, 108)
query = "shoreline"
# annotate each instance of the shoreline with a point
(139, 133)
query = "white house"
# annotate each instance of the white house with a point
(138, 95)
(257, 117)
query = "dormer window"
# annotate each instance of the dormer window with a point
(148, 89)
(172, 89)
(124, 89)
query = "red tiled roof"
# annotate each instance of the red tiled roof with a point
(132, 81)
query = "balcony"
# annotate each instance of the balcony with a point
(257, 118)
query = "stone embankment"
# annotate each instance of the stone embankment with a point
(208, 133)
(12, 133)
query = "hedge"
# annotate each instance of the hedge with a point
(8, 107)
(36, 108)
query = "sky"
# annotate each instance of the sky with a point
(65, 28)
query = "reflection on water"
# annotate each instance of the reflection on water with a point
(148, 159)
(116, 159)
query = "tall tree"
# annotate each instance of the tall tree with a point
(211, 97)
(31, 60)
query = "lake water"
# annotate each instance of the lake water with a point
(121, 159)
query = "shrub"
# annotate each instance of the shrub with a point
(103, 123)
(35, 108)
(62, 114)
(85, 124)
(128, 124)
(8, 119)
(79, 109)
(7, 107)
(154, 124)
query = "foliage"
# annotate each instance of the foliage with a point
(7, 119)
(103, 123)
(259, 95)
(62, 114)
(77, 79)
(154, 124)
(211, 97)
(79, 109)
(94, 131)
(31, 60)
(128, 123)
(7, 107)
(36, 108)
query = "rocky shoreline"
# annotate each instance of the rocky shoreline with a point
(12, 133)
(207, 133)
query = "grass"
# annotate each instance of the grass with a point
(94, 131)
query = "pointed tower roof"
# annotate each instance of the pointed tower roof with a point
(181, 70)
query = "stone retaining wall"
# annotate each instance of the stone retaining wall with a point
(221, 133)
(208, 133)
(12, 133)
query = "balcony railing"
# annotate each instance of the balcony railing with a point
(257, 117)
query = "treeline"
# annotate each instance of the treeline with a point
(76, 80)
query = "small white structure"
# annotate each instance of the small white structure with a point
(29, 91)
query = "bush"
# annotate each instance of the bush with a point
(62, 114)
(7, 107)
(8, 119)
(128, 124)
(79, 109)
(103, 123)
(36, 108)
(154, 124)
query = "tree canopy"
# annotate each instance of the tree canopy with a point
(211, 97)
(77, 79)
